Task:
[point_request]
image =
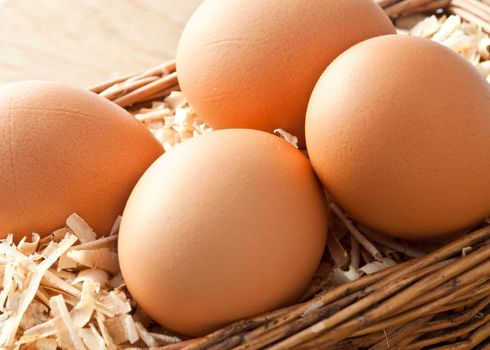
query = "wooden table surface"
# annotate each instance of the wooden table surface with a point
(86, 41)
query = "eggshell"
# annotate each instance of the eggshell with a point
(226, 225)
(65, 150)
(398, 130)
(253, 64)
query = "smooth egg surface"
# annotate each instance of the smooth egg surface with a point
(253, 64)
(226, 225)
(66, 150)
(398, 131)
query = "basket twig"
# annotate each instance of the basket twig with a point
(469, 16)
(356, 233)
(406, 6)
(390, 285)
(150, 85)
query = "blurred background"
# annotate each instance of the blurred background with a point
(84, 42)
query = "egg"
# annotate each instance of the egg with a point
(226, 225)
(253, 64)
(398, 130)
(66, 150)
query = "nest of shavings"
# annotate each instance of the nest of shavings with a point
(66, 290)
(467, 39)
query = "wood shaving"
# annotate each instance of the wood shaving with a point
(98, 276)
(81, 229)
(339, 276)
(337, 251)
(467, 39)
(465, 251)
(427, 27)
(377, 266)
(291, 139)
(172, 121)
(46, 303)
(102, 258)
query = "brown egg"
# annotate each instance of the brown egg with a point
(398, 130)
(226, 225)
(65, 150)
(253, 64)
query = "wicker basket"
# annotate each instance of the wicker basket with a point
(439, 301)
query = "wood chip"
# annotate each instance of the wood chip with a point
(44, 306)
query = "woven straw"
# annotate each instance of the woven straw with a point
(439, 301)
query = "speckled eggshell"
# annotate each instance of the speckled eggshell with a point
(66, 150)
(226, 225)
(398, 130)
(253, 64)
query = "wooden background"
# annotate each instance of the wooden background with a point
(86, 41)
